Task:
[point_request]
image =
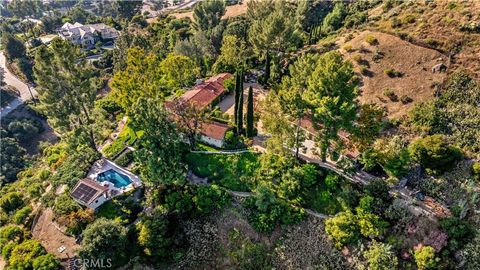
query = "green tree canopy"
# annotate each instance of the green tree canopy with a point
(154, 234)
(232, 55)
(208, 14)
(343, 228)
(142, 77)
(179, 71)
(13, 46)
(161, 147)
(128, 9)
(331, 96)
(380, 256)
(104, 240)
(13, 158)
(66, 87)
(434, 153)
(426, 258)
(24, 255)
(274, 32)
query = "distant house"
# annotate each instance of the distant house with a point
(87, 35)
(213, 133)
(89, 193)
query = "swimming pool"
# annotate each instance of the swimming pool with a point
(117, 179)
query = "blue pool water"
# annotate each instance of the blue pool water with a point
(117, 179)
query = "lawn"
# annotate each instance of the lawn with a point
(234, 172)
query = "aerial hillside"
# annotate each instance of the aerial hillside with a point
(240, 134)
(395, 74)
(450, 26)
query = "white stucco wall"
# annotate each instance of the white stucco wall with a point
(211, 141)
(97, 202)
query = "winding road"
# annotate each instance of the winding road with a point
(15, 82)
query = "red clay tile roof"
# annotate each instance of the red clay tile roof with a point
(205, 93)
(220, 78)
(214, 130)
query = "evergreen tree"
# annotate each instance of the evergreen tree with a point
(66, 87)
(331, 95)
(250, 113)
(13, 46)
(160, 148)
(240, 109)
(236, 91)
(266, 76)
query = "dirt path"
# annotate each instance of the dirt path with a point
(52, 237)
(243, 194)
(431, 208)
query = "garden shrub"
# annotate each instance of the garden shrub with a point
(434, 153)
(348, 48)
(371, 39)
(392, 73)
(21, 215)
(476, 170)
(388, 153)
(357, 58)
(409, 18)
(343, 228)
(381, 256)
(332, 181)
(268, 210)
(405, 99)
(390, 94)
(24, 129)
(209, 198)
(124, 159)
(11, 201)
(459, 232)
(425, 258)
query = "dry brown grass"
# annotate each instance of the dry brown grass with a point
(414, 62)
(230, 11)
(440, 23)
(50, 235)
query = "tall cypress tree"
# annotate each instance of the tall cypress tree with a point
(240, 112)
(250, 113)
(267, 69)
(235, 93)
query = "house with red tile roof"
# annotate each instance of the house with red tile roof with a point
(207, 93)
(213, 133)
(203, 97)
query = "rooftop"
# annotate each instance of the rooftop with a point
(214, 130)
(205, 93)
(86, 191)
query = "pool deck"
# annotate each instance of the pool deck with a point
(104, 164)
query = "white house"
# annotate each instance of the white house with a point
(89, 193)
(213, 133)
(87, 35)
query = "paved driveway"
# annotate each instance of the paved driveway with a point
(22, 88)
